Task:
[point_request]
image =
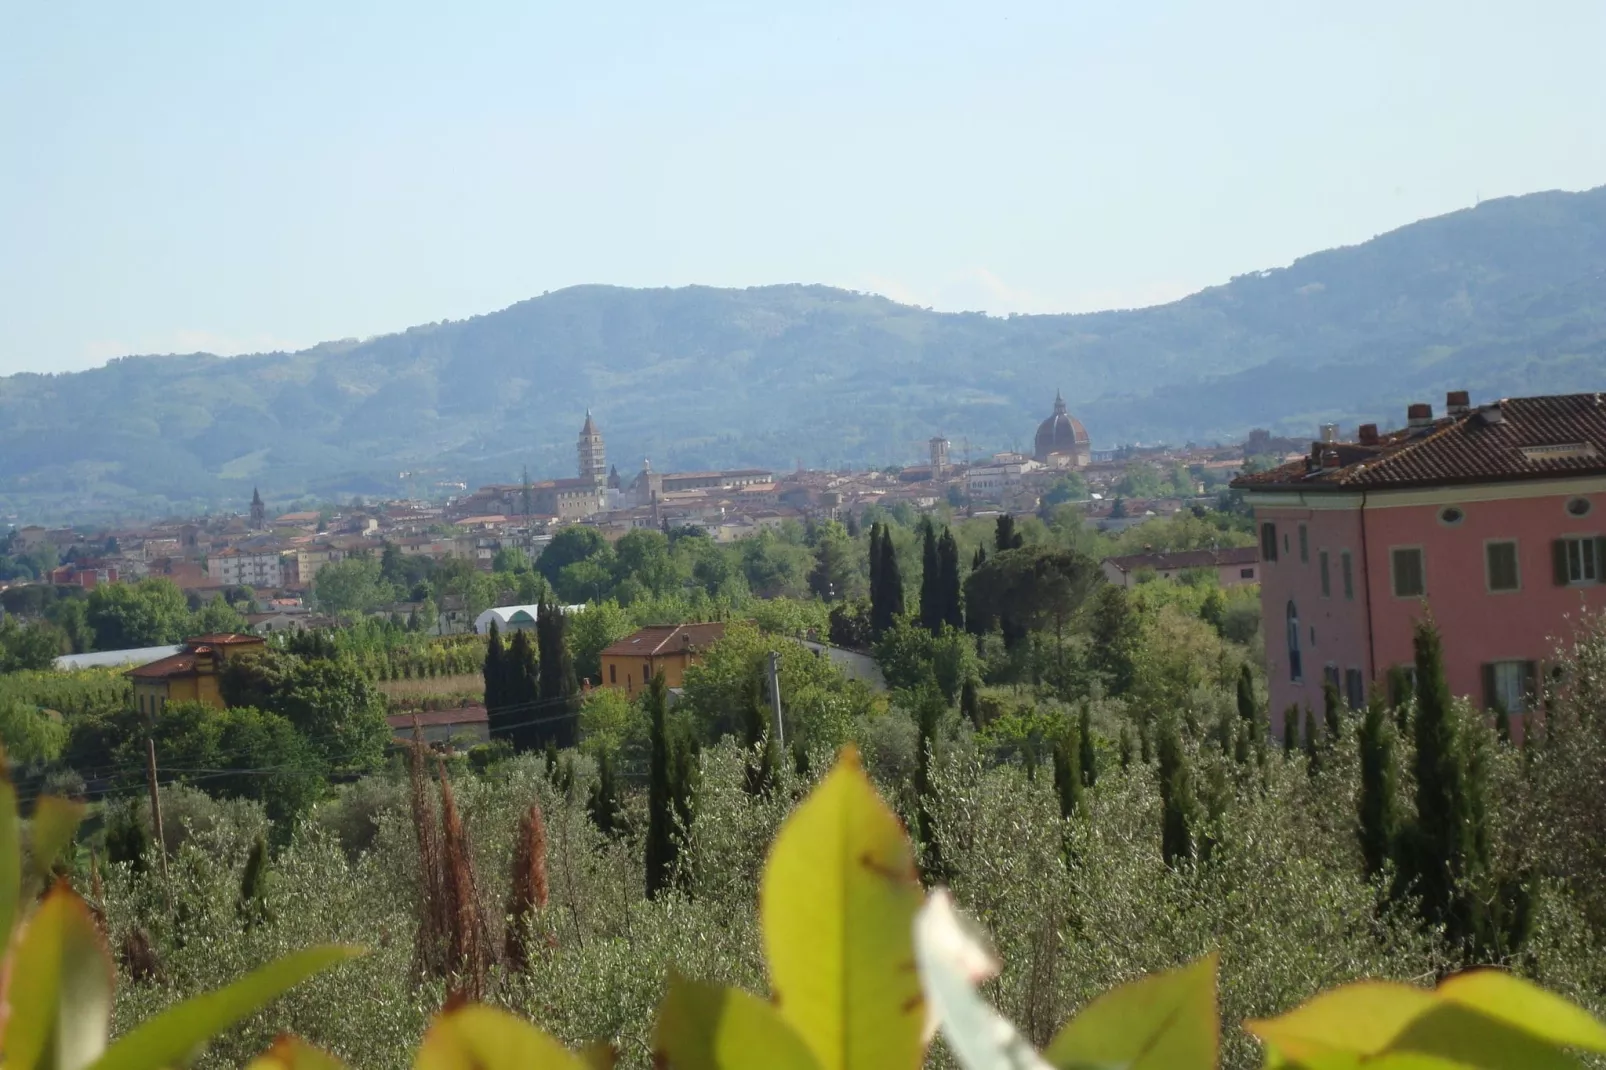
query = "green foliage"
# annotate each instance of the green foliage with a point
(30, 647)
(352, 587)
(1379, 819)
(151, 612)
(331, 704)
(610, 723)
(558, 689)
(593, 631)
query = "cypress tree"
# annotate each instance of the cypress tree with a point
(1067, 773)
(1178, 817)
(876, 597)
(603, 803)
(1125, 746)
(970, 702)
(1330, 711)
(953, 613)
(891, 581)
(661, 847)
(1226, 731)
(1246, 694)
(979, 558)
(556, 674)
(1290, 730)
(1313, 754)
(252, 904)
(1086, 756)
(800, 758)
(520, 689)
(1005, 537)
(762, 761)
(1380, 776)
(1145, 740)
(1401, 694)
(494, 674)
(931, 610)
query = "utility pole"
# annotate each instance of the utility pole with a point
(156, 817)
(775, 698)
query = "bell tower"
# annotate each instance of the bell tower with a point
(593, 459)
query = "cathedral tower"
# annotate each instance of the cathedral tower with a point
(593, 460)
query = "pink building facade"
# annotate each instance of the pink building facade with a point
(1492, 521)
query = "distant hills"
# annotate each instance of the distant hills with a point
(1505, 298)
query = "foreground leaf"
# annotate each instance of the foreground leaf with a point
(55, 823)
(482, 1038)
(292, 1053)
(1524, 1005)
(178, 1033)
(1485, 1020)
(59, 988)
(952, 959)
(709, 1027)
(1166, 1020)
(838, 901)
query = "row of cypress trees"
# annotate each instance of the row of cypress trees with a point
(530, 688)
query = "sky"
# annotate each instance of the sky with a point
(235, 178)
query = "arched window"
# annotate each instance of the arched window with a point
(1295, 670)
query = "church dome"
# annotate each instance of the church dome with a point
(1060, 433)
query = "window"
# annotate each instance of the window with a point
(1347, 570)
(1330, 675)
(1406, 562)
(1510, 685)
(1246, 573)
(1354, 688)
(1578, 560)
(1285, 542)
(1268, 541)
(1304, 545)
(1578, 506)
(613, 674)
(1327, 581)
(1295, 670)
(1451, 516)
(1501, 561)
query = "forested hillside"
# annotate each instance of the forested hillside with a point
(1509, 297)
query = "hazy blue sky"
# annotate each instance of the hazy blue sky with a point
(198, 175)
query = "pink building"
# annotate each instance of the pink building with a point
(1486, 518)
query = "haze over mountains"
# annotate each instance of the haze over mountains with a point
(1506, 298)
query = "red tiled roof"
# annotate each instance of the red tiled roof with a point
(163, 668)
(224, 639)
(436, 718)
(657, 639)
(1510, 440)
(1235, 555)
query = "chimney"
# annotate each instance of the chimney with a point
(1491, 414)
(1330, 459)
(1457, 403)
(1329, 432)
(1368, 434)
(1419, 415)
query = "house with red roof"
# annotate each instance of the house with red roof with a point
(1484, 519)
(191, 675)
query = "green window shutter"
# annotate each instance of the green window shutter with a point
(1558, 559)
(1600, 558)
(1490, 695)
(1530, 684)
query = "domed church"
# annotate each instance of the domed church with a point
(1062, 441)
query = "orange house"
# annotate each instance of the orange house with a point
(669, 649)
(191, 675)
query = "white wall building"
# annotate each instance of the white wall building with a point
(251, 568)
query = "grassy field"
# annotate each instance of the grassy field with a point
(437, 692)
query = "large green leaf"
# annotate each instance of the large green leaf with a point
(178, 1033)
(482, 1038)
(1166, 1020)
(10, 856)
(55, 823)
(709, 1027)
(1484, 1020)
(59, 988)
(838, 900)
(1524, 1005)
(952, 959)
(292, 1053)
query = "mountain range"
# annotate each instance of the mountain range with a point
(1505, 298)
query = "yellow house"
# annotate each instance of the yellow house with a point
(667, 648)
(191, 675)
